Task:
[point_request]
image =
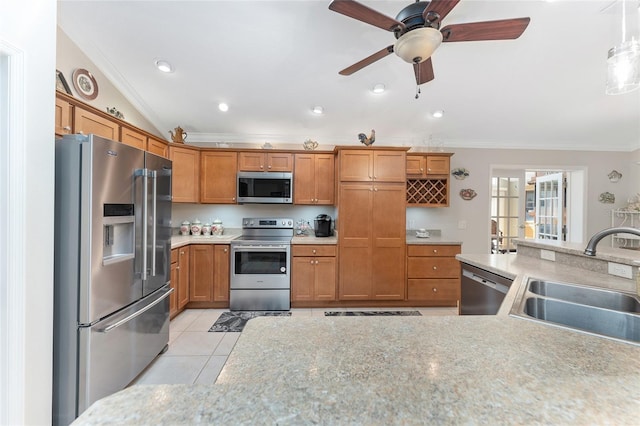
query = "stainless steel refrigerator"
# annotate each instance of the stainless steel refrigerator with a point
(112, 260)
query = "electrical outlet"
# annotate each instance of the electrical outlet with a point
(462, 224)
(548, 255)
(620, 270)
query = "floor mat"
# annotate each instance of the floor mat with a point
(235, 321)
(372, 313)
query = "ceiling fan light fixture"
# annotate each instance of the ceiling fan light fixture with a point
(623, 68)
(163, 65)
(418, 45)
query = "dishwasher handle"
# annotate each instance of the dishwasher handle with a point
(485, 281)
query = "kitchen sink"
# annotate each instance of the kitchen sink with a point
(586, 295)
(605, 313)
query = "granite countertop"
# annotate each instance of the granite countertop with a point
(226, 238)
(312, 239)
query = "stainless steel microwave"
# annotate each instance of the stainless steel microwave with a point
(265, 187)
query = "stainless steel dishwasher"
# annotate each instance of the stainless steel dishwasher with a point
(482, 292)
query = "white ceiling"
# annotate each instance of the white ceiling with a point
(272, 61)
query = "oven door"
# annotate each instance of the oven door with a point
(260, 266)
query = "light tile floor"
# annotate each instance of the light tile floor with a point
(196, 356)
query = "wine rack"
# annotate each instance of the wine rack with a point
(428, 192)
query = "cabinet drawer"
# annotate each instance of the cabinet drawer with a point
(433, 251)
(435, 289)
(432, 267)
(319, 250)
(174, 255)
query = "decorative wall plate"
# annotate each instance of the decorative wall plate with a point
(607, 198)
(614, 176)
(467, 194)
(85, 84)
(460, 173)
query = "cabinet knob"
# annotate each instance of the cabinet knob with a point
(421, 169)
(435, 250)
(375, 177)
(269, 166)
(375, 189)
(314, 251)
(67, 128)
(435, 268)
(311, 261)
(181, 253)
(177, 267)
(429, 169)
(226, 250)
(316, 262)
(435, 290)
(233, 199)
(261, 166)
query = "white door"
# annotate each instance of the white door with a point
(549, 207)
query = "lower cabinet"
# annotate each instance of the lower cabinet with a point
(433, 274)
(209, 273)
(179, 280)
(313, 274)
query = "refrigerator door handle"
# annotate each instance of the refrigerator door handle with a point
(145, 198)
(154, 179)
(135, 314)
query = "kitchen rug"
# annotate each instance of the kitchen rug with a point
(235, 321)
(372, 313)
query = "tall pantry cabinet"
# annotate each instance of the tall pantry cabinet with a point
(371, 217)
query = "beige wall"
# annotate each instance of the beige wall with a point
(69, 57)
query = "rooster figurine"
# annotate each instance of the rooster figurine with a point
(367, 140)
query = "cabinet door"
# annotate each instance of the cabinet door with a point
(201, 273)
(416, 165)
(86, 122)
(279, 162)
(389, 166)
(173, 298)
(304, 179)
(158, 147)
(302, 279)
(185, 175)
(389, 240)
(218, 177)
(324, 179)
(434, 289)
(251, 162)
(221, 271)
(325, 278)
(437, 165)
(356, 166)
(355, 263)
(433, 267)
(63, 117)
(183, 276)
(133, 138)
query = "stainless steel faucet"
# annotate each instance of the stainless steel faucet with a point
(593, 242)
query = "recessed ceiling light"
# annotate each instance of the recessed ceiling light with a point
(317, 109)
(223, 107)
(437, 114)
(163, 65)
(378, 88)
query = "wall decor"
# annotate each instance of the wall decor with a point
(310, 145)
(368, 141)
(179, 136)
(61, 83)
(460, 173)
(85, 84)
(467, 194)
(614, 176)
(266, 145)
(117, 114)
(607, 198)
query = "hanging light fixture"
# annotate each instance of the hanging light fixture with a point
(623, 61)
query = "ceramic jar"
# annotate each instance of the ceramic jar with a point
(217, 228)
(196, 227)
(206, 229)
(185, 228)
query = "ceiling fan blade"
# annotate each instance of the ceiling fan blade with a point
(506, 29)
(367, 61)
(423, 71)
(440, 7)
(358, 11)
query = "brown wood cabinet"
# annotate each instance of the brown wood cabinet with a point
(314, 179)
(221, 270)
(372, 241)
(428, 179)
(218, 177)
(173, 298)
(265, 162)
(372, 165)
(313, 274)
(158, 147)
(179, 280)
(185, 178)
(209, 273)
(64, 116)
(430, 164)
(129, 136)
(87, 122)
(433, 274)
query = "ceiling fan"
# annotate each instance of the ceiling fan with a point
(418, 34)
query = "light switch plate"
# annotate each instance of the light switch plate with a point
(620, 270)
(548, 255)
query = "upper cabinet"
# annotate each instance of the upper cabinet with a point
(265, 162)
(313, 179)
(428, 179)
(64, 116)
(158, 147)
(185, 182)
(129, 136)
(379, 165)
(420, 165)
(86, 122)
(218, 177)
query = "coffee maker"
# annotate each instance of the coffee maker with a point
(322, 225)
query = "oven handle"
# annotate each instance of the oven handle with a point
(247, 247)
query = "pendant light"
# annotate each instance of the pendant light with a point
(623, 61)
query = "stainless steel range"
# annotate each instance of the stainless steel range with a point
(261, 265)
